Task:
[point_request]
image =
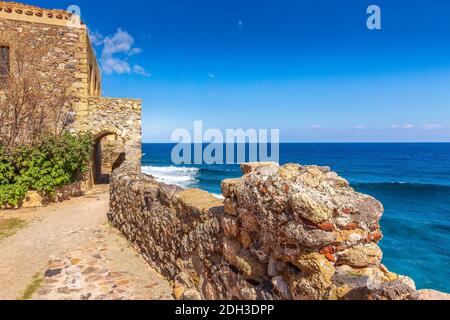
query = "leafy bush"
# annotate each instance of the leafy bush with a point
(49, 164)
(12, 194)
(6, 168)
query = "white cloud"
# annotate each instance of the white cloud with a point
(429, 126)
(140, 70)
(360, 127)
(240, 24)
(433, 126)
(112, 65)
(211, 75)
(120, 42)
(316, 126)
(96, 38)
(401, 126)
(116, 50)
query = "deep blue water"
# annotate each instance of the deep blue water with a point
(412, 180)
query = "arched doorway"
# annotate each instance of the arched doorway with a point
(108, 155)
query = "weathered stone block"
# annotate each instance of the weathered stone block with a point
(250, 167)
(32, 200)
(362, 255)
(242, 259)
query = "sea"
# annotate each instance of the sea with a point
(412, 180)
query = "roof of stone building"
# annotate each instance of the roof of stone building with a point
(30, 10)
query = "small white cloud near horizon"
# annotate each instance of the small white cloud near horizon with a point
(429, 126)
(401, 126)
(116, 49)
(316, 126)
(360, 127)
(433, 126)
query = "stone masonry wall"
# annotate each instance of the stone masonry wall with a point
(289, 232)
(121, 117)
(111, 151)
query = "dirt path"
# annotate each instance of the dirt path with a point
(69, 251)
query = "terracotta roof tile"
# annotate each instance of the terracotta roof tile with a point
(22, 8)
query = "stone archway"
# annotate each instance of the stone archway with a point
(118, 117)
(108, 155)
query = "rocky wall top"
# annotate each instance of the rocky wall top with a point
(316, 237)
(289, 232)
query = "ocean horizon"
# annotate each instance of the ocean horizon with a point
(412, 181)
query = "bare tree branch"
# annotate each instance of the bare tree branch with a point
(34, 101)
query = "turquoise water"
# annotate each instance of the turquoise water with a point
(412, 180)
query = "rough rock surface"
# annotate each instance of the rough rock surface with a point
(432, 295)
(289, 232)
(32, 200)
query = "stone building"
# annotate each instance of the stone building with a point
(68, 40)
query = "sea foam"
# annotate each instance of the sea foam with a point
(180, 176)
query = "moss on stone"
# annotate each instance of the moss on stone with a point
(32, 287)
(9, 227)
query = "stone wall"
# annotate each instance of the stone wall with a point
(121, 117)
(111, 150)
(289, 232)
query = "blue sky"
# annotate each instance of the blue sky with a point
(310, 68)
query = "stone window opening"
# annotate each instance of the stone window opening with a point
(4, 65)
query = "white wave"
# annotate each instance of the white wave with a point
(180, 176)
(171, 169)
(218, 196)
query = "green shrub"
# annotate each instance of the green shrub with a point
(12, 194)
(49, 164)
(6, 168)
